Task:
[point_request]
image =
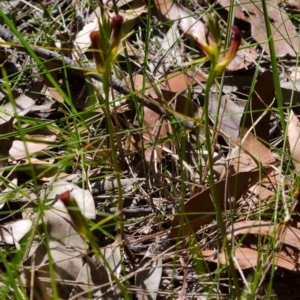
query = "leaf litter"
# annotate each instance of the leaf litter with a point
(167, 200)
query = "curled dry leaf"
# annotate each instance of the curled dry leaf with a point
(294, 139)
(21, 107)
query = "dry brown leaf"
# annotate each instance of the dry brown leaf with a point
(199, 210)
(176, 82)
(293, 3)
(285, 35)
(246, 257)
(294, 139)
(170, 87)
(179, 82)
(251, 153)
(291, 235)
(155, 128)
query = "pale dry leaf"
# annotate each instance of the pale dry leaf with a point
(21, 107)
(66, 248)
(169, 54)
(14, 231)
(294, 139)
(83, 198)
(194, 28)
(189, 25)
(123, 3)
(21, 149)
(229, 116)
(148, 277)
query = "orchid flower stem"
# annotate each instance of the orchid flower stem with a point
(214, 196)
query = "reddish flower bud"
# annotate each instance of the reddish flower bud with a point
(116, 24)
(97, 50)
